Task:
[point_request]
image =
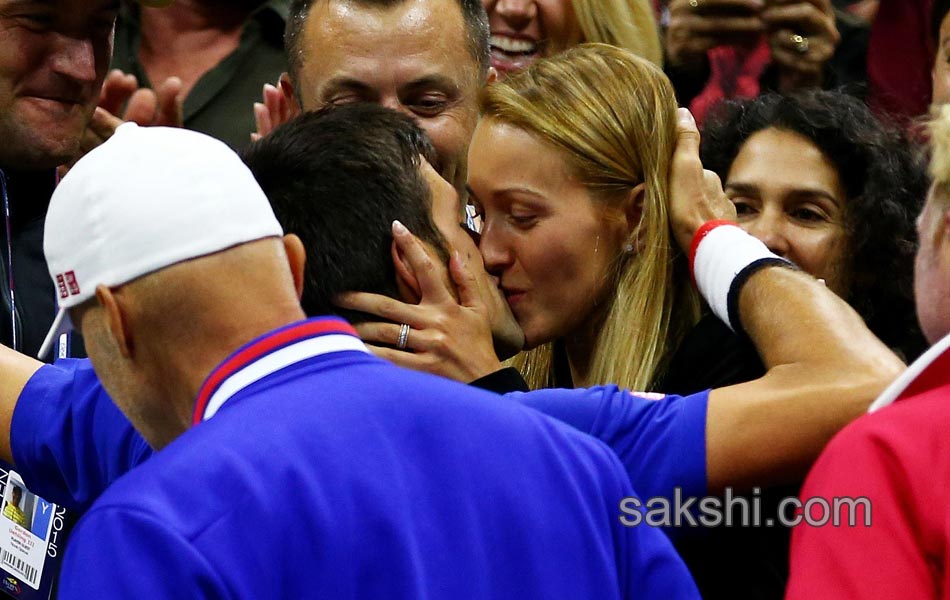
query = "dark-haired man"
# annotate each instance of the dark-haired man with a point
(193, 325)
(743, 438)
(53, 59)
(54, 55)
(427, 59)
(339, 183)
(424, 58)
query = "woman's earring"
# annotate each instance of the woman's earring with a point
(628, 248)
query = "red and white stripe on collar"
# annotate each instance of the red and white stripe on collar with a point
(269, 354)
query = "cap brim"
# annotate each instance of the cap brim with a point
(61, 325)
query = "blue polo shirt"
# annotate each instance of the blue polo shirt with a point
(71, 441)
(335, 474)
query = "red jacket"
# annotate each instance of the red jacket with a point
(899, 459)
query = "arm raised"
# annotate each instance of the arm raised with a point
(824, 366)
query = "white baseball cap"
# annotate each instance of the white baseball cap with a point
(146, 199)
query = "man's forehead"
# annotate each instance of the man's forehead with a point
(424, 37)
(399, 13)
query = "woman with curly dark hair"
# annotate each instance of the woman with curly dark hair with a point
(826, 184)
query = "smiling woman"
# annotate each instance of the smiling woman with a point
(825, 184)
(523, 31)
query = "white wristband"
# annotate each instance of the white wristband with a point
(724, 256)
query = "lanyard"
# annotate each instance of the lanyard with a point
(65, 347)
(8, 263)
(16, 341)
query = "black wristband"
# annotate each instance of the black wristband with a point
(732, 301)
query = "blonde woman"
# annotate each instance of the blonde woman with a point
(570, 168)
(523, 31)
(596, 129)
(577, 231)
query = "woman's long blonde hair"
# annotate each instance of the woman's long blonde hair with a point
(614, 115)
(628, 24)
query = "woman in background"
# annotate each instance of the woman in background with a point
(523, 31)
(568, 170)
(824, 183)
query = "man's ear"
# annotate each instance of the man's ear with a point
(290, 93)
(296, 260)
(116, 321)
(633, 215)
(406, 281)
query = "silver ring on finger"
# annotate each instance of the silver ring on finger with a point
(694, 4)
(403, 336)
(801, 43)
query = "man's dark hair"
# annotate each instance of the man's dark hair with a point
(885, 182)
(473, 14)
(338, 178)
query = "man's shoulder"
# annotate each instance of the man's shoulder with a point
(350, 417)
(241, 461)
(359, 376)
(905, 439)
(354, 377)
(914, 418)
(199, 480)
(455, 406)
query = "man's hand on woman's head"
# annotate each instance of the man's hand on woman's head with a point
(696, 194)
